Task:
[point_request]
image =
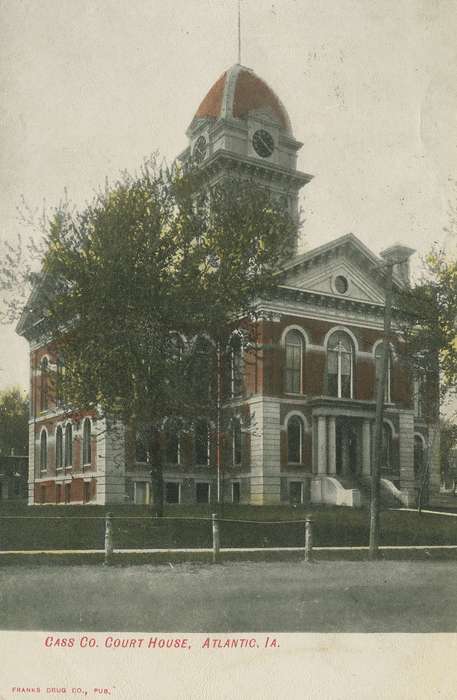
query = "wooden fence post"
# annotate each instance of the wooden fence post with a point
(308, 539)
(216, 538)
(109, 543)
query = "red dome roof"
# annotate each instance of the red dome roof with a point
(238, 92)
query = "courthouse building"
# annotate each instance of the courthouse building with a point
(304, 411)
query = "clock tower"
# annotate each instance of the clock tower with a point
(241, 128)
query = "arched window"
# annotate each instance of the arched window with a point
(379, 352)
(87, 439)
(418, 455)
(174, 445)
(68, 445)
(44, 384)
(237, 448)
(419, 393)
(386, 447)
(43, 451)
(295, 440)
(201, 434)
(340, 365)
(59, 448)
(59, 381)
(203, 365)
(236, 366)
(294, 362)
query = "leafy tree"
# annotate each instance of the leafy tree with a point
(157, 254)
(14, 417)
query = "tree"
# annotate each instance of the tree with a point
(155, 255)
(14, 417)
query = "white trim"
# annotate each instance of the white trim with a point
(340, 329)
(388, 422)
(424, 442)
(296, 414)
(292, 413)
(294, 327)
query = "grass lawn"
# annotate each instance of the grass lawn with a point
(75, 527)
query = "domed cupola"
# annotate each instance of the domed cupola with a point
(240, 93)
(242, 126)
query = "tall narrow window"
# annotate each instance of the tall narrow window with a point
(59, 381)
(378, 362)
(418, 455)
(68, 445)
(236, 366)
(201, 442)
(294, 362)
(295, 440)
(419, 393)
(43, 451)
(237, 455)
(44, 384)
(203, 370)
(59, 448)
(340, 366)
(386, 447)
(87, 439)
(173, 448)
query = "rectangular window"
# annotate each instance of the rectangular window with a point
(202, 492)
(236, 492)
(172, 492)
(295, 492)
(140, 493)
(86, 494)
(293, 368)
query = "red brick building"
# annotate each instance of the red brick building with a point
(303, 412)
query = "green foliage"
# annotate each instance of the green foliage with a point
(155, 254)
(431, 330)
(14, 416)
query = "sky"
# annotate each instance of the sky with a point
(91, 87)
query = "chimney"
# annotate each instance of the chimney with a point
(399, 255)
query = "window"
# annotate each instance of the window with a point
(43, 451)
(59, 381)
(87, 439)
(236, 442)
(340, 365)
(236, 366)
(295, 492)
(236, 492)
(202, 492)
(295, 440)
(201, 442)
(172, 492)
(68, 445)
(419, 393)
(174, 448)
(141, 453)
(386, 447)
(44, 384)
(418, 455)
(378, 363)
(341, 284)
(67, 493)
(59, 448)
(203, 369)
(86, 494)
(140, 493)
(294, 362)
(58, 493)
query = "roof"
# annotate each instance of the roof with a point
(238, 92)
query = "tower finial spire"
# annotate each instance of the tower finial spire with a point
(239, 31)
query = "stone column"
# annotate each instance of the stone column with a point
(321, 445)
(331, 445)
(366, 447)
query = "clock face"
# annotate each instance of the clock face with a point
(263, 143)
(200, 149)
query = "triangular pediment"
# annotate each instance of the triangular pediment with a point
(336, 267)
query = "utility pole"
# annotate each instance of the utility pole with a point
(380, 394)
